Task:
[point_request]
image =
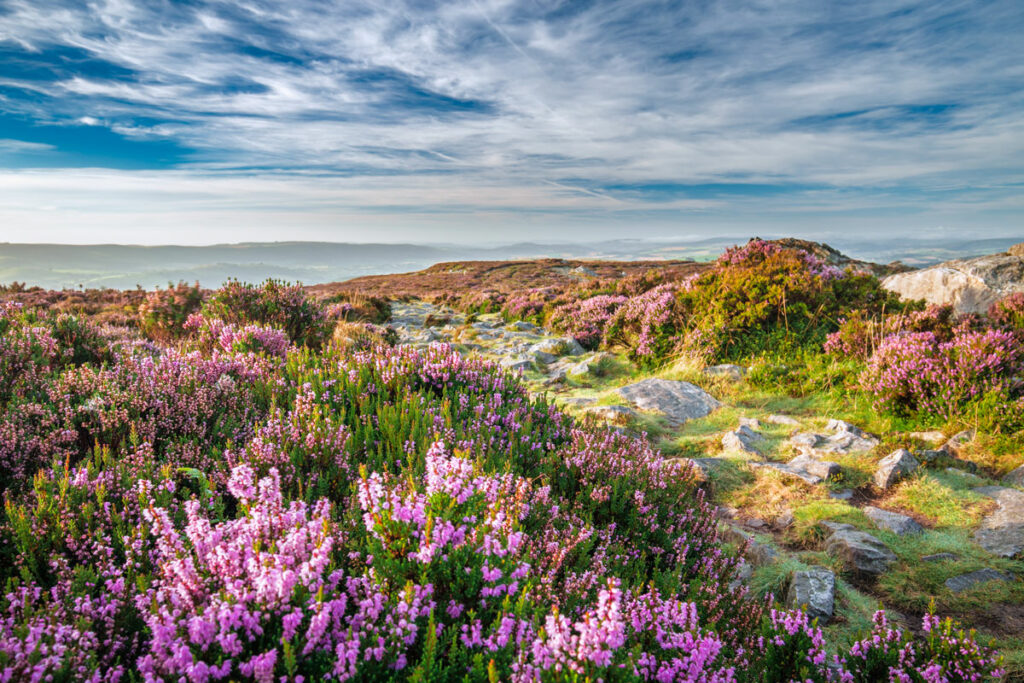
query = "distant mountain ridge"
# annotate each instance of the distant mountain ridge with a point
(59, 266)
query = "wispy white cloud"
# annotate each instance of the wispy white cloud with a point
(501, 105)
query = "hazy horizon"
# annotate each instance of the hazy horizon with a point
(505, 120)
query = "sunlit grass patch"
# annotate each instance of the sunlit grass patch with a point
(936, 497)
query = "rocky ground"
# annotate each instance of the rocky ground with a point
(830, 516)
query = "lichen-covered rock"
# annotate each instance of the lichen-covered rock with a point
(677, 401)
(844, 438)
(894, 467)
(785, 420)
(814, 588)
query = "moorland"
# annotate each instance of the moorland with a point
(762, 467)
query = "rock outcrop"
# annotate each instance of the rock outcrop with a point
(970, 285)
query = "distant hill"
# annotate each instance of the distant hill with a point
(59, 266)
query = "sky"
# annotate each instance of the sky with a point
(196, 122)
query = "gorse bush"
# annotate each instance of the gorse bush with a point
(242, 508)
(272, 304)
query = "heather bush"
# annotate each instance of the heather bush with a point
(917, 372)
(164, 312)
(213, 336)
(272, 304)
(585, 320)
(1008, 312)
(528, 305)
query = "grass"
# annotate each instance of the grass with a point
(939, 497)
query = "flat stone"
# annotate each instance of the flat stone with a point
(898, 524)
(939, 557)
(961, 473)
(751, 422)
(933, 436)
(958, 584)
(860, 551)
(734, 372)
(522, 326)
(677, 401)
(579, 401)
(845, 438)
(782, 420)
(842, 494)
(894, 467)
(1002, 532)
(805, 467)
(816, 589)
(620, 415)
(1015, 478)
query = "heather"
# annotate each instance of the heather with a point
(253, 501)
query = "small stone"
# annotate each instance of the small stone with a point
(620, 415)
(939, 557)
(894, 467)
(898, 524)
(751, 422)
(958, 441)
(522, 326)
(784, 520)
(816, 589)
(842, 494)
(755, 523)
(733, 372)
(516, 363)
(932, 455)
(782, 420)
(958, 584)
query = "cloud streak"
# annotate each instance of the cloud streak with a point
(545, 108)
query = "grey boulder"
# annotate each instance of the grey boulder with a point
(860, 551)
(677, 401)
(816, 589)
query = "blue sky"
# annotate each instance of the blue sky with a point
(149, 121)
